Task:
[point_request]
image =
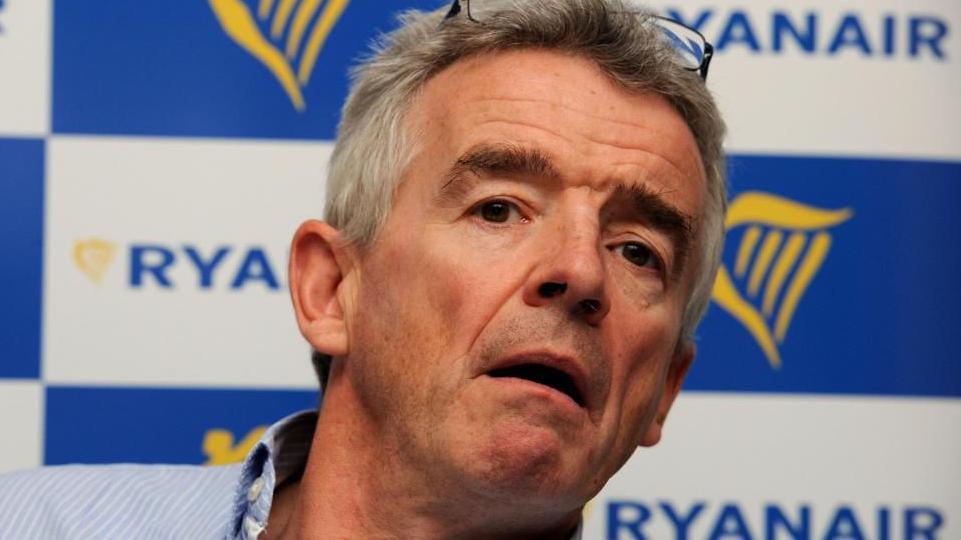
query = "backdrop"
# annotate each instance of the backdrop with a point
(155, 159)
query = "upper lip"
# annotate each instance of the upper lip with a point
(565, 363)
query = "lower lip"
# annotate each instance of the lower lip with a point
(538, 391)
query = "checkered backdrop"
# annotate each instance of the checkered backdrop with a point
(155, 159)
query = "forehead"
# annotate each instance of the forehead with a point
(597, 132)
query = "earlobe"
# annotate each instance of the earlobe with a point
(672, 387)
(318, 265)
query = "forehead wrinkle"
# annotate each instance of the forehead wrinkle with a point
(633, 125)
(528, 125)
(630, 124)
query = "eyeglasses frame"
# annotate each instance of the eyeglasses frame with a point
(701, 69)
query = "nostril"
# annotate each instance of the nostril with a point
(590, 305)
(551, 289)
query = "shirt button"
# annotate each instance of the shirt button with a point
(255, 488)
(252, 528)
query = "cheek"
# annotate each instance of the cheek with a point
(419, 293)
(644, 336)
(640, 293)
(638, 372)
(467, 277)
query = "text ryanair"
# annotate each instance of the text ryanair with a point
(162, 266)
(912, 36)
(636, 520)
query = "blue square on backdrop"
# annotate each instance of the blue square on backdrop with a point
(172, 68)
(161, 425)
(21, 243)
(875, 313)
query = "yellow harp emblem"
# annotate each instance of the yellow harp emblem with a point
(286, 38)
(782, 248)
(221, 449)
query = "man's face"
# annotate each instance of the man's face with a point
(515, 327)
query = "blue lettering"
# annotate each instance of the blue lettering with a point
(806, 40)
(681, 523)
(889, 34)
(927, 31)
(696, 23)
(775, 520)
(884, 524)
(738, 30)
(139, 265)
(206, 268)
(632, 519)
(809, 32)
(730, 524)
(921, 523)
(850, 33)
(255, 267)
(844, 526)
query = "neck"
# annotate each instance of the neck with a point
(356, 486)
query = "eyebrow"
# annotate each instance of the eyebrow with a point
(504, 159)
(495, 160)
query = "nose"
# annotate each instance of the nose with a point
(571, 275)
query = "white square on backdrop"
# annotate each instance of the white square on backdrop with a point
(125, 301)
(871, 84)
(21, 414)
(822, 452)
(25, 56)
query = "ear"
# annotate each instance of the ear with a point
(318, 264)
(676, 372)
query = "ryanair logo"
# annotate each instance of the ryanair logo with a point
(881, 35)
(93, 257)
(783, 246)
(286, 38)
(1, 9)
(221, 449)
(224, 267)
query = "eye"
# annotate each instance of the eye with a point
(497, 211)
(639, 254)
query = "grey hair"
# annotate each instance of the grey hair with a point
(374, 146)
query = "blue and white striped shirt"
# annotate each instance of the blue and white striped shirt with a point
(156, 501)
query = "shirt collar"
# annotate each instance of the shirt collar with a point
(281, 453)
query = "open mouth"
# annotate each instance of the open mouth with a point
(543, 375)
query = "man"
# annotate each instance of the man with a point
(523, 224)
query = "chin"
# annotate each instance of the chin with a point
(531, 464)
